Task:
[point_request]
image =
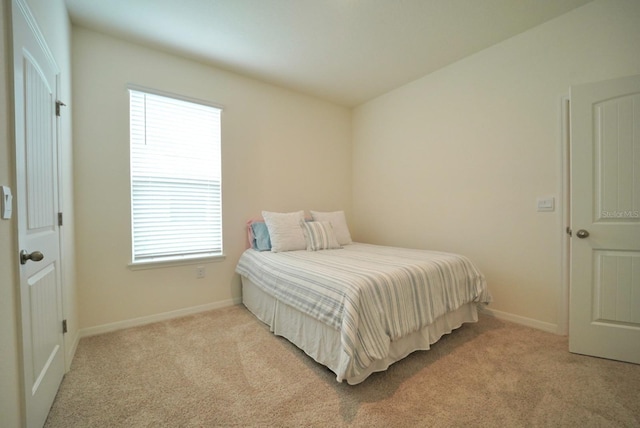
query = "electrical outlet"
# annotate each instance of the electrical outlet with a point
(200, 272)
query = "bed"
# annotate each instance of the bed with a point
(356, 308)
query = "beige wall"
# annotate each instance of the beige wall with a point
(455, 160)
(281, 151)
(52, 18)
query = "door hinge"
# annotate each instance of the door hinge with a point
(569, 231)
(58, 104)
(59, 219)
(64, 326)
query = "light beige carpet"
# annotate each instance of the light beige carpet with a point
(224, 368)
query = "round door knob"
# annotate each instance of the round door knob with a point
(582, 234)
(36, 256)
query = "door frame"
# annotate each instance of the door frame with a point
(565, 215)
(602, 321)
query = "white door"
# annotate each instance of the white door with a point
(35, 77)
(605, 220)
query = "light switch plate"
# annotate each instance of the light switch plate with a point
(6, 202)
(546, 203)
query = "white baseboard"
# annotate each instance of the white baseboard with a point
(529, 322)
(135, 322)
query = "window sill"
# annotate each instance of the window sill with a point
(156, 264)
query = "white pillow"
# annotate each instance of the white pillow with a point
(339, 223)
(285, 231)
(319, 235)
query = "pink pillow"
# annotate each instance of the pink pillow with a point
(250, 236)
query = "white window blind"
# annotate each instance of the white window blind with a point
(176, 191)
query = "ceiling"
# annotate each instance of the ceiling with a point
(344, 51)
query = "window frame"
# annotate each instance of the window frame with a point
(174, 260)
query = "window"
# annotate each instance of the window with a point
(176, 189)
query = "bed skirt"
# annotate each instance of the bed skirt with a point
(322, 342)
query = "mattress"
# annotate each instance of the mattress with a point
(322, 343)
(360, 308)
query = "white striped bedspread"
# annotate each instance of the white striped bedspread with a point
(371, 294)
